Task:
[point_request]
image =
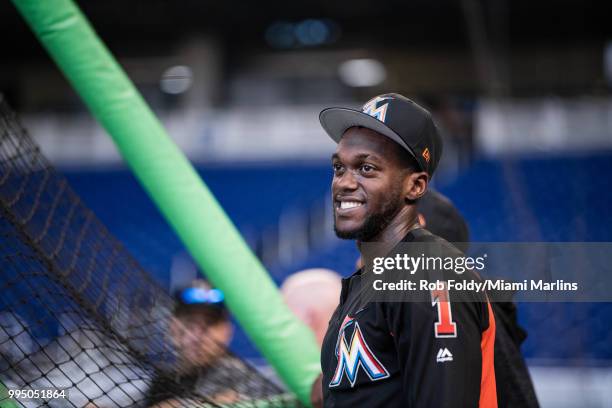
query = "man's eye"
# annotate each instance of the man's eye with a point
(337, 167)
(367, 168)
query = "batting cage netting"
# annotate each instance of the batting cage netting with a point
(81, 323)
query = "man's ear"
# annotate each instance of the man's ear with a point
(415, 185)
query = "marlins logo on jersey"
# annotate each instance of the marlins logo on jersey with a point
(355, 354)
(379, 112)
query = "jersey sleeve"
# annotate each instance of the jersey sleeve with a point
(445, 350)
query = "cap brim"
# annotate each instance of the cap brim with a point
(336, 121)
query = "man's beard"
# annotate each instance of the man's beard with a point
(374, 224)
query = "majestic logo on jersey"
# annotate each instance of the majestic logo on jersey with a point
(444, 355)
(378, 112)
(355, 354)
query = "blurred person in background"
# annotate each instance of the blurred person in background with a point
(201, 331)
(312, 295)
(439, 216)
(514, 386)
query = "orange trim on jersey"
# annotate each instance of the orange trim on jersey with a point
(488, 390)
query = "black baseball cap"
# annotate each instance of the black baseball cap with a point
(395, 116)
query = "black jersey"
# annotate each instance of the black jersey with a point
(409, 354)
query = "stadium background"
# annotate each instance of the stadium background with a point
(522, 91)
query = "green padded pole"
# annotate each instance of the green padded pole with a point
(5, 401)
(176, 188)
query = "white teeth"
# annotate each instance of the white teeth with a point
(349, 204)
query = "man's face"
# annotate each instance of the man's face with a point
(369, 170)
(199, 345)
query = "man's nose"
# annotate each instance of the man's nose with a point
(346, 181)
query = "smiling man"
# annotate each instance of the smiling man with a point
(435, 353)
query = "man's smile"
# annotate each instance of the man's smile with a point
(346, 206)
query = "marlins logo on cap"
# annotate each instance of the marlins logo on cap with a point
(376, 110)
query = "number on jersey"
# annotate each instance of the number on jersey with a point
(444, 327)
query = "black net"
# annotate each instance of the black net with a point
(80, 317)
